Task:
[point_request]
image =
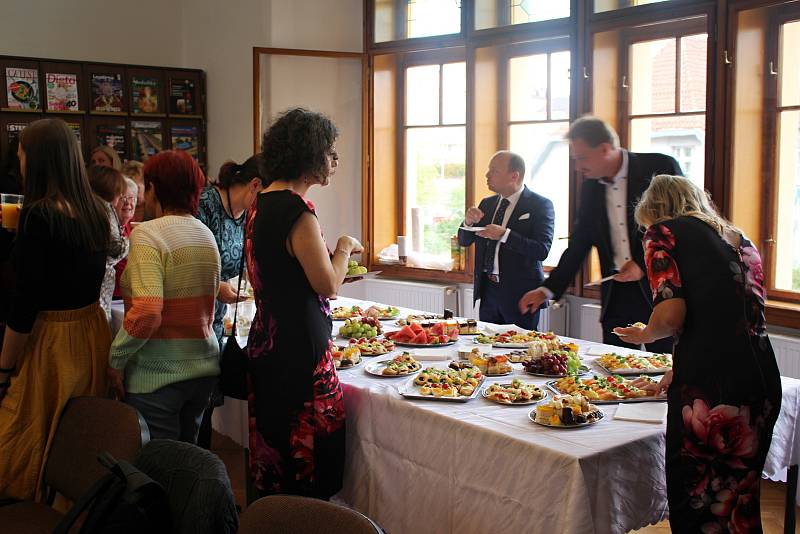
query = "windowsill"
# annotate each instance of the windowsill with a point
(780, 313)
(424, 275)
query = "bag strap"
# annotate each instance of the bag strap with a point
(98, 488)
(238, 291)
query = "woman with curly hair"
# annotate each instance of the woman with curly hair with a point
(295, 403)
(724, 392)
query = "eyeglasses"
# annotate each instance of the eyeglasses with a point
(130, 199)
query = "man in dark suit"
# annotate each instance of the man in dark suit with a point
(617, 178)
(509, 251)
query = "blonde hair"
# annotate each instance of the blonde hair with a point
(112, 155)
(133, 168)
(670, 197)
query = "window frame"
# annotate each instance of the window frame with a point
(778, 16)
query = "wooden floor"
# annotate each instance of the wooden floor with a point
(772, 493)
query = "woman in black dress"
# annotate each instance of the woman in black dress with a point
(724, 393)
(296, 409)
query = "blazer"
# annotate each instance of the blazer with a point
(520, 257)
(591, 228)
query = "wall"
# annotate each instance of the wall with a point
(94, 30)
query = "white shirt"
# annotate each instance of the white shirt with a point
(616, 207)
(513, 198)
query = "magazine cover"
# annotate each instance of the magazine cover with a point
(182, 97)
(22, 88)
(112, 135)
(13, 129)
(62, 91)
(185, 138)
(76, 129)
(146, 139)
(107, 92)
(145, 94)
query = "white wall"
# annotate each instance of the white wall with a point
(148, 32)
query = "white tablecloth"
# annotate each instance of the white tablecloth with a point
(419, 466)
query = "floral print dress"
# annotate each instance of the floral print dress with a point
(295, 403)
(725, 395)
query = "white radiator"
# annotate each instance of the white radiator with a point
(787, 353)
(554, 319)
(431, 298)
(590, 328)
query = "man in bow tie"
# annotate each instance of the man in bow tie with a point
(517, 234)
(616, 180)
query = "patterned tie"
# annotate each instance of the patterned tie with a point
(491, 247)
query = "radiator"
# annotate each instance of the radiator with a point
(787, 353)
(431, 298)
(590, 328)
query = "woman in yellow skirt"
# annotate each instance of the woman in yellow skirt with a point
(57, 338)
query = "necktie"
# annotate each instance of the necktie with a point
(491, 247)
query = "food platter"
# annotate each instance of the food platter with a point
(603, 390)
(600, 416)
(371, 347)
(487, 394)
(379, 368)
(634, 364)
(449, 390)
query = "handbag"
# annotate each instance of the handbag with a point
(234, 362)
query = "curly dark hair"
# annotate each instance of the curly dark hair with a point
(296, 145)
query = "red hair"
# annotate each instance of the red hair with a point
(177, 180)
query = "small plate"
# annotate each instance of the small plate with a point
(500, 374)
(582, 370)
(351, 366)
(532, 417)
(485, 394)
(376, 369)
(472, 228)
(371, 274)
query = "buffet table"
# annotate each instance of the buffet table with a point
(419, 466)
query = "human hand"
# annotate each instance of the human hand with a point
(350, 244)
(666, 380)
(629, 272)
(227, 294)
(116, 379)
(472, 216)
(636, 334)
(532, 300)
(493, 232)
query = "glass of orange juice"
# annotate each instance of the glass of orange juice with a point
(11, 206)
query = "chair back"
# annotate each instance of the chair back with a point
(198, 488)
(87, 427)
(290, 514)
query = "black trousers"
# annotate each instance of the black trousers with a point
(628, 304)
(500, 305)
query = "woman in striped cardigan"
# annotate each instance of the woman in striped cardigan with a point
(165, 360)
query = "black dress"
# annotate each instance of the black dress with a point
(726, 392)
(296, 409)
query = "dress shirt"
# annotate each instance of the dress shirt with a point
(616, 206)
(513, 198)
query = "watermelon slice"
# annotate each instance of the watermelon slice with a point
(407, 332)
(416, 327)
(420, 339)
(438, 329)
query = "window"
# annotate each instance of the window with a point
(493, 13)
(610, 5)
(538, 119)
(435, 157)
(666, 93)
(404, 19)
(786, 223)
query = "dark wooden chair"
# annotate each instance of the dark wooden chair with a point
(289, 514)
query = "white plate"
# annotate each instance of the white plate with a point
(473, 228)
(532, 417)
(351, 367)
(371, 274)
(376, 369)
(411, 391)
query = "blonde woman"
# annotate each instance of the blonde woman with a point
(105, 156)
(724, 392)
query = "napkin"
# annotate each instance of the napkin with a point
(432, 356)
(642, 412)
(500, 328)
(598, 350)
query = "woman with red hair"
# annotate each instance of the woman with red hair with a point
(165, 359)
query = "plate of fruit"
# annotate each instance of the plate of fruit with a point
(361, 327)
(401, 365)
(515, 393)
(372, 347)
(415, 335)
(556, 364)
(346, 357)
(341, 313)
(566, 411)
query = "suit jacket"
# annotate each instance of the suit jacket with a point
(591, 228)
(520, 257)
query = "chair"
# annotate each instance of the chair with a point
(200, 496)
(88, 426)
(289, 514)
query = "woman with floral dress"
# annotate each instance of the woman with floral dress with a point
(724, 392)
(295, 401)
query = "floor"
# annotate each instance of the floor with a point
(772, 493)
